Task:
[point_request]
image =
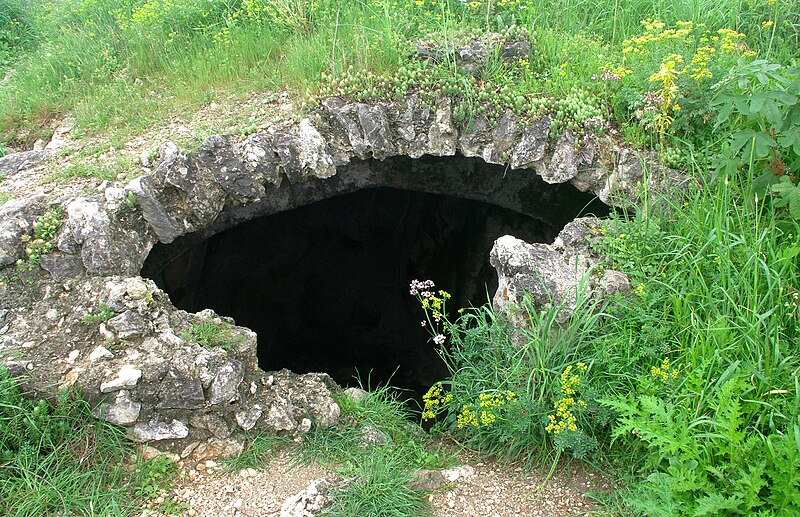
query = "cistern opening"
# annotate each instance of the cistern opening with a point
(326, 285)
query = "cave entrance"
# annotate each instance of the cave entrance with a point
(326, 285)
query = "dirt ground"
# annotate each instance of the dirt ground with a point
(483, 487)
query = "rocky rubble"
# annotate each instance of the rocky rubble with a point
(144, 367)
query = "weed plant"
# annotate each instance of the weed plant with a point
(59, 460)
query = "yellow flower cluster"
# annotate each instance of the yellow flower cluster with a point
(663, 371)
(435, 304)
(484, 414)
(687, 35)
(730, 42)
(467, 417)
(564, 419)
(699, 64)
(435, 401)
(656, 33)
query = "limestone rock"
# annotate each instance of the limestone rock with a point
(62, 266)
(155, 430)
(226, 382)
(356, 393)
(503, 140)
(260, 161)
(442, 135)
(314, 157)
(378, 136)
(532, 144)
(127, 325)
(217, 448)
(426, 480)
(109, 241)
(247, 418)
(15, 163)
(563, 164)
(100, 352)
(122, 410)
(219, 157)
(552, 275)
(180, 196)
(311, 500)
(126, 377)
(371, 435)
(179, 391)
(16, 219)
(289, 392)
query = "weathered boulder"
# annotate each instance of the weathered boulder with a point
(313, 499)
(16, 222)
(14, 163)
(552, 275)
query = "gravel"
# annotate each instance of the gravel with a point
(480, 487)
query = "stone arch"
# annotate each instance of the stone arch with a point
(144, 363)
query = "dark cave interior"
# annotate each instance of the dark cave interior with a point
(326, 286)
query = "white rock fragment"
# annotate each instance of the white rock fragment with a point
(73, 356)
(127, 377)
(100, 352)
(156, 430)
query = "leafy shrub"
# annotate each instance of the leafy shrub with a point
(710, 463)
(759, 103)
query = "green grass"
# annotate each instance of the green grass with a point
(124, 66)
(259, 450)
(379, 472)
(210, 334)
(59, 460)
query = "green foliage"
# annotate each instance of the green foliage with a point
(380, 471)
(378, 488)
(104, 314)
(759, 103)
(16, 33)
(709, 464)
(688, 384)
(43, 240)
(123, 65)
(210, 334)
(715, 297)
(259, 450)
(58, 459)
(512, 392)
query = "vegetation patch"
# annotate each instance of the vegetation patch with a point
(57, 459)
(210, 334)
(43, 240)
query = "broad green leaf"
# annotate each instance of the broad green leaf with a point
(763, 182)
(764, 143)
(740, 139)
